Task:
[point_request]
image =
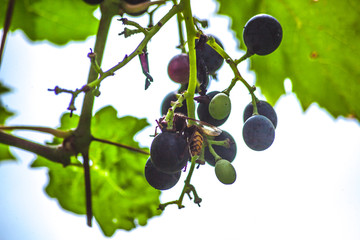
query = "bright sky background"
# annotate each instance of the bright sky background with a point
(305, 186)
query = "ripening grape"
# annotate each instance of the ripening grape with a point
(225, 171)
(204, 114)
(179, 68)
(220, 106)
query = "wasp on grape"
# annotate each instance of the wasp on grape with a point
(194, 133)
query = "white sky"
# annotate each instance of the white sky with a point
(305, 186)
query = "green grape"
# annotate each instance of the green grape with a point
(225, 171)
(220, 106)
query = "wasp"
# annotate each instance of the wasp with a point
(194, 133)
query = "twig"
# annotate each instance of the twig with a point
(52, 131)
(9, 14)
(54, 154)
(121, 145)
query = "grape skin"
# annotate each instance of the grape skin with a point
(225, 153)
(166, 104)
(179, 68)
(220, 106)
(204, 115)
(134, 2)
(169, 152)
(212, 59)
(264, 108)
(258, 133)
(158, 179)
(225, 171)
(262, 34)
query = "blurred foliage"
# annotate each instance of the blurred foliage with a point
(5, 153)
(117, 175)
(318, 53)
(56, 21)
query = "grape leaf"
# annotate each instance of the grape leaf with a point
(318, 53)
(122, 199)
(55, 21)
(5, 153)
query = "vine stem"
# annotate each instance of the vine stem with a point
(52, 131)
(175, 9)
(189, 94)
(8, 17)
(180, 29)
(187, 181)
(190, 34)
(54, 154)
(87, 189)
(107, 13)
(83, 131)
(233, 65)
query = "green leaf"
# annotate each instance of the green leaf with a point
(122, 198)
(319, 52)
(56, 21)
(5, 153)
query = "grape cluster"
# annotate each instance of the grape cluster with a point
(179, 142)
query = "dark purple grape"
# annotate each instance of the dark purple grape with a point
(166, 104)
(262, 34)
(211, 58)
(258, 132)
(264, 108)
(203, 112)
(135, 1)
(93, 2)
(202, 75)
(225, 153)
(179, 68)
(158, 179)
(169, 152)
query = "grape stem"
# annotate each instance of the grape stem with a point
(98, 75)
(188, 188)
(212, 150)
(179, 19)
(233, 65)
(243, 57)
(175, 9)
(254, 100)
(126, 21)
